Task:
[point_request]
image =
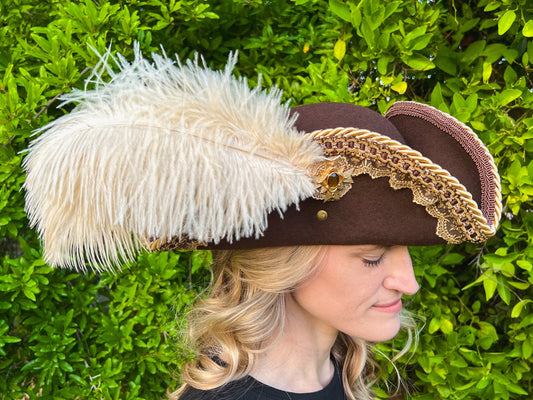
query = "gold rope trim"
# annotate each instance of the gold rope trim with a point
(458, 216)
(491, 199)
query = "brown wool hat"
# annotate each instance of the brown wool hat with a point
(169, 156)
(419, 177)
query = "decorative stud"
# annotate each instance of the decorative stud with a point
(322, 215)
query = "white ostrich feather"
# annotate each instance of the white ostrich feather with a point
(162, 150)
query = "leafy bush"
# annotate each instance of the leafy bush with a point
(67, 336)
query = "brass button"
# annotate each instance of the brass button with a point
(322, 215)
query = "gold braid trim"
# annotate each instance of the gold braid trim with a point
(176, 243)
(365, 152)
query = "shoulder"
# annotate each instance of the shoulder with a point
(195, 394)
(237, 390)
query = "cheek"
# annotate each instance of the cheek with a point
(317, 295)
(355, 298)
(332, 294)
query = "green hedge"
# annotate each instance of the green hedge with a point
(70, 336)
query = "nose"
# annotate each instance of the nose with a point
(401, 276)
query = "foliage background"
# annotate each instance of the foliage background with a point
(66, 336)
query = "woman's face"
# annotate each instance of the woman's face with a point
(357, 290)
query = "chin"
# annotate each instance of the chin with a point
(380, 332)
(383, 337)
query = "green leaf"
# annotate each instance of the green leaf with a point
(446, 326)
(453, 259)
(508, 95)
(368, 33)
(527, 348)
(419, 62)
(383, 62)
(520, 285)
(437, 100)
(487, 72)
(422, 42)
(42, 43)
(517, 309)
(493, 5)
(400, 87)
(355, 16)
(459, 362)
(391, 8)
(29, 294)
(65, 366)
(473, 52)
(489, 284)
(504, 292)
(460, 108)
(340, 9)
(494, 52)
(434, 325)
(524, 264)
(384, 40)
(527, 30)
(510, 77)
(78, 380)
(340, 49)
(10, 339)
(446, 60)
(506, 21)
(414, 35)
(514, 388)
(30, 364)
(478, 126)
(510, 54)
(376, 18)
(487, 335)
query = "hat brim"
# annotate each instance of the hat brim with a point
(397, 197)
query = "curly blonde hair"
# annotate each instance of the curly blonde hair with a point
(245, 312)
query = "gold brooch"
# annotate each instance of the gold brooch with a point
(333, 178)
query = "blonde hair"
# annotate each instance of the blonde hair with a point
(245, 311)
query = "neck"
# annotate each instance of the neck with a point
(299, 361)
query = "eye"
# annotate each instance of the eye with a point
(373, 262)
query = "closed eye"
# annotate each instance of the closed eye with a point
(373, 263)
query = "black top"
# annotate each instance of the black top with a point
(250, 389)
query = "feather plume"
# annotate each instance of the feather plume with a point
(162, 150)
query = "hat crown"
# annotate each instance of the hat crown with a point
(312, 117)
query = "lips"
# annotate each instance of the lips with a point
(390, 307)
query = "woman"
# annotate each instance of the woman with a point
(296, 320)
(309, 212)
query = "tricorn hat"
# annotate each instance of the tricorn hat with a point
(167, 156)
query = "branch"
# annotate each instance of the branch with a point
(87, 69)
